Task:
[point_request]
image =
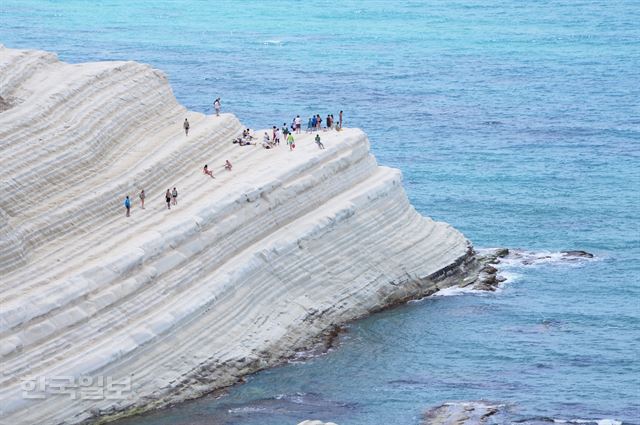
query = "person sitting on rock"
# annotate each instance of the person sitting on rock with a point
(208, 172)
(227, 165)
(318, 142)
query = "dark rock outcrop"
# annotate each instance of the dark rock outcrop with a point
(577, 253)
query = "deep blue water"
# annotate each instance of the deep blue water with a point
(517, 122)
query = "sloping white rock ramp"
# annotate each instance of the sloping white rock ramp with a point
(245, 269)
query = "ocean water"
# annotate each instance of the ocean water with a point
(516, 122)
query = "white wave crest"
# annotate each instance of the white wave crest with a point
(456, 290)
(588, 421)
(524, 258)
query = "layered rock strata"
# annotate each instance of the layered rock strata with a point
(171, 304)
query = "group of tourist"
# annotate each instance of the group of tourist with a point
(170, 197)
(276, 134)
(247, 138)
(314, 123)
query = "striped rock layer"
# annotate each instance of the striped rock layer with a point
(247, 268)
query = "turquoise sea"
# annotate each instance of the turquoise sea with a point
(518, 122)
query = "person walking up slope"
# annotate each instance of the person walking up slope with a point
(185, 125)
(127, 205)
(291, 142)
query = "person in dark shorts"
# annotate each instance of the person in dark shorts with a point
(174, 196)
(167, 198)
(298, 123)
(186, 126)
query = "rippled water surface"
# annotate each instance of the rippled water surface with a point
(517, 122)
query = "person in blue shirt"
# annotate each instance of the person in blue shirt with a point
(127, 205)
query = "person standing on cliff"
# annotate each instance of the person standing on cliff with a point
(216, 106)
(142, 196)
(276, 137)
(167, 198)
(174, 196)
(340, 120)
(298, 123)
(185, 125)
(127, 205)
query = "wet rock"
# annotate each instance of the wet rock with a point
(578, 253)
(502, 252)
(489, 269)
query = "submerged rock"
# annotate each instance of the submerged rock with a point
(462, 413)
(578, 253)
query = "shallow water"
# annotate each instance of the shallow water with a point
(518, 123)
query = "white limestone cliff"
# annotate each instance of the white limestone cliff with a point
(247, 268)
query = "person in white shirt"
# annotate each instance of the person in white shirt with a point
(276, 136)
(298, 124)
